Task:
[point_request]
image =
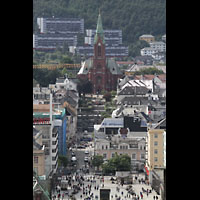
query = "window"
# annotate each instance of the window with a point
(99, 51)
(98, 80)
(155, 143)
(53, 150)
(155, 135)
(102, 147)
(35, 159)
(155, 151)
(142, 156)
(134, 156)
(155, 159)
(54, 158)
(35, 169)
(105, 155)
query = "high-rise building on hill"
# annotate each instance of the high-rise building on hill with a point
(61, 25)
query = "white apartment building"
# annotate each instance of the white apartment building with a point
(49, 134)
(50, 142)
(61, 25)
(133, 144)
(148, 51)
(52, 40)
(164, 38)
(65, 83)
(112, 37)
(158, 45)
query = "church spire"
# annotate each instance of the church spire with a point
(99, 30)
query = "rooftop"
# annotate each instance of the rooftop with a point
(147, 35)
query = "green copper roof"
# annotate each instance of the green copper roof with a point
(99, 30)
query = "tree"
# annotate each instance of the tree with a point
(117, 163)
(84, 86)
(113, 93)
(62, 160)
(151, 70)
(124, 163)
(34, 83)
(149, 17)
(66, 60)
(107, 96)
(97, 161)
(45, 77)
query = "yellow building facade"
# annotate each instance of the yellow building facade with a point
(39, 161)
(155, 149)
(147, 38)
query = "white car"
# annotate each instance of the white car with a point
(86, 152)
(73, 159)
(86, 159)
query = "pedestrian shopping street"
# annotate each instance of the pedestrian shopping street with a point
(97, 184)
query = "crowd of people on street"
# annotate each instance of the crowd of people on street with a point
(87, 187)
(84, 185)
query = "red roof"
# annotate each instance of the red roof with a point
(145, 77)
(162, 77)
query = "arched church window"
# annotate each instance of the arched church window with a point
(98, 80)
(99, 50)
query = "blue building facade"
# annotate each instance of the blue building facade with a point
(62, 131)
(60, 122)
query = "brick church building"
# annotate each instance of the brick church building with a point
(101, 71)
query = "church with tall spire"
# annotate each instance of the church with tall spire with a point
(101, 71)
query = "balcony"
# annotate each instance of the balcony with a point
(54, 152)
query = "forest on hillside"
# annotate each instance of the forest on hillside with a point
(133, 17)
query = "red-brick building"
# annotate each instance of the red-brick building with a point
(101, 71)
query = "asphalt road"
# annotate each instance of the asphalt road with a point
(80, 153)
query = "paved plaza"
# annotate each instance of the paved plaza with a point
(114, 194)
(92, 184)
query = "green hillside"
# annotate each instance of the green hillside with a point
(133, 17)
